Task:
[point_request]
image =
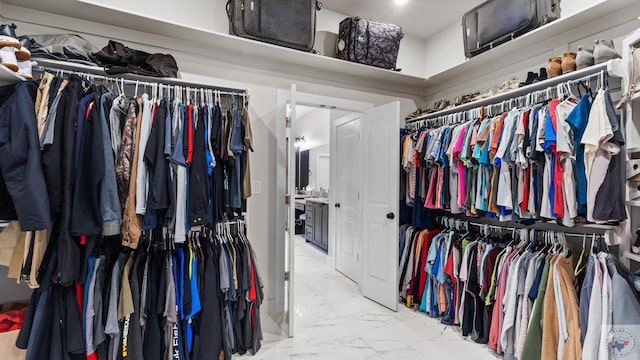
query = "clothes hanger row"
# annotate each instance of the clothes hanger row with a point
(559, 91)
(459, 224)
(157, 88)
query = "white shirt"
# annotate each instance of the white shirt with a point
(591, 345)
(606, 334)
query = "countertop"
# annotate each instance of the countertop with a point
(319, 200)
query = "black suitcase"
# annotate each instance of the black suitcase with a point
(289, 23)
(497, 21)
(369, 42)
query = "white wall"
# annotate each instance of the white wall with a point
(313, 163)
(262, 85)
(444, 49)
(571, 7)
(314, 126)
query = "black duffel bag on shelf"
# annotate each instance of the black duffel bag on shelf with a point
(497, 21)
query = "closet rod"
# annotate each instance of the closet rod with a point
(539, 226)
(165, 82)
(506, 227)
(572, 77)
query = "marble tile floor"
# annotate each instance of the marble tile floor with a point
(334, 321)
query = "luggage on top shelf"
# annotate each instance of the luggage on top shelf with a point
(369, 42)
(289, 23)
(497, 21)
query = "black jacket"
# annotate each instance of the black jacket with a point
(199, 197)
(68, 247)
(20, 159)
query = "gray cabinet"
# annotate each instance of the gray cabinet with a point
(317, 224)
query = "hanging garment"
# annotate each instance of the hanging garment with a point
(107, 175)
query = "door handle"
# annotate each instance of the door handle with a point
(391, 216)
(337, 205)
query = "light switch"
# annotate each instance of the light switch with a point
(256, 187)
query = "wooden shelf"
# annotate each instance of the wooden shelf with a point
(631, 256)
(8, 76)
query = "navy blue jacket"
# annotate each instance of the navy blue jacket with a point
(20, 158)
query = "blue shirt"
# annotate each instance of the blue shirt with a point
(578, 119)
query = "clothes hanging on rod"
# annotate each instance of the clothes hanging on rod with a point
(110, 187)
(169, 84)
(557, 160)
(544, 91)
(526, 294)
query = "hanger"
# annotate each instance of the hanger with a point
(579, 267)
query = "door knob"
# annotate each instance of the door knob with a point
(391, 216)
(337, 205)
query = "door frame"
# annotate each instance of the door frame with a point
(283, 98)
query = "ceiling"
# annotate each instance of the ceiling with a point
(419, 18)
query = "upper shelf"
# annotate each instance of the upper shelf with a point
(597, 18)
(262, 57)
(222, 47)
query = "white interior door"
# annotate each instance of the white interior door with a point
(380, 203)
(347, 188)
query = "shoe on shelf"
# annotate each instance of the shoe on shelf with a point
(510, 84)
(8, 57)
(24, 53)
(554, 68)
(24, 69)
(584, 58)
(542, 76)
(531, 76)
(469, 97)
(636, 246)
(568, 62)
(489, 93)
(414, 114)
(8, 36)
(604, 51)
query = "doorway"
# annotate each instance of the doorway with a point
(360, 127)
(313, 184)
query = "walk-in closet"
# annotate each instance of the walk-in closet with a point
(336, 179)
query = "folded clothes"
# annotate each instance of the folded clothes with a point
(119, 59)
(63, 47)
